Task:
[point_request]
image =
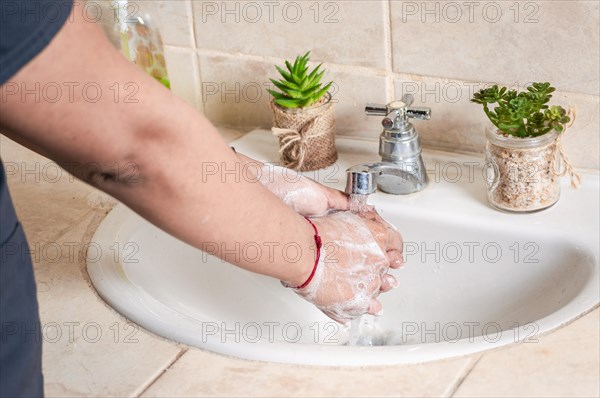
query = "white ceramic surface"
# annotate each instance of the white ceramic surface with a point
(474, 279)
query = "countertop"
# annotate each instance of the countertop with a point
(90, 350)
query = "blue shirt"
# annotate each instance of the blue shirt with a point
(26, 28)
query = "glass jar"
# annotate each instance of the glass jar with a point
(522, 173)
(131, 28)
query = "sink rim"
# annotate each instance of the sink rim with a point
(142, 308)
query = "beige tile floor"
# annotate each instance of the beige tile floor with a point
(90, 350)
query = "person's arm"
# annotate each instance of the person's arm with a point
(175, 151)
(172, 146)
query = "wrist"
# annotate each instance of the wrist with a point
(310, 252)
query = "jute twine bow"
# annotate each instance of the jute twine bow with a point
(560, 155)
(294, 143)
(306, 139)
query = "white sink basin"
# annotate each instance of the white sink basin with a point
(474, 279)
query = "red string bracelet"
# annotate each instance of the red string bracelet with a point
(319, 243)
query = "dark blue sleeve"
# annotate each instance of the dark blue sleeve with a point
(20, 328)
(26, 28)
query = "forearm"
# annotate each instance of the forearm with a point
(167, 142)
(188, 188)
(218, 212)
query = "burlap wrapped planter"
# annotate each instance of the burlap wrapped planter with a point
(306, 136)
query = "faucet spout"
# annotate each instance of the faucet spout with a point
(362, 179)
(394, 178)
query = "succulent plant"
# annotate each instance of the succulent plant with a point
(524, 114)
(299, 87)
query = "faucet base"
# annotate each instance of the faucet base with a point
(406, 178)
(400, 185)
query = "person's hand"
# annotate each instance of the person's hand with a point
(355, 257)
(303, 195)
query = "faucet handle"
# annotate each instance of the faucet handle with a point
(403, 106)
(408, 100)
(384, 110)
(421, 113)
(376, 110)
(397, 113)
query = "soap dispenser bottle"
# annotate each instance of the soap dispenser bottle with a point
(133, 31)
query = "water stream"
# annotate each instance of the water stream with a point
(365, 329)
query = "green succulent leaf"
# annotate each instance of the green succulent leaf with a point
(288, 103)
(299, 87)
(289, 67)
(522, 114)
(277, 95)
(315, 77)
(285, 85)
(286, 76)
(323, 91)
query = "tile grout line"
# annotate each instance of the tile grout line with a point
(357, 69)
(462, 379)
(388, 51)
(198, 70)
(69, 227)
(146, 387)
(197, 81)
(386, 72)
(192, 17)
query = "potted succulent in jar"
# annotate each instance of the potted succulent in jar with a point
(523, 150)
(303, 117)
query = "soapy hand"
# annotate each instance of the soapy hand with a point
(357, 251)
(303, 195)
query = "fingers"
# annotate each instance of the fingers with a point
(375, 307)
(396, 258)
(338, 200)
(351, 285)
(394, 240)
(394, 245)
(369, 213)
(378, 231)
(344, 321)
(388, 282)
(346, 315)
(382, 230)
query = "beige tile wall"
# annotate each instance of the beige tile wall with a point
(221, 54)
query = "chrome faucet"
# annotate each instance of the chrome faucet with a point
(401, 170)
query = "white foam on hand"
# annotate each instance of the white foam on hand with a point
(352, 269)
